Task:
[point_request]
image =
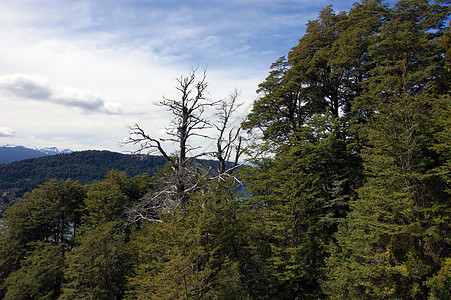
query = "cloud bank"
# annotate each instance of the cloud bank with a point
(127, 54)
(6, 132)
(35, 87)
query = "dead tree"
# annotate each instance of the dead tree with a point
(188, 121)
(229, 140)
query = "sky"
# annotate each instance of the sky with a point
(77, 74)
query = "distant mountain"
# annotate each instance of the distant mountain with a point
(23, 175)
(54, 150)
(10, 153)
(19, 177)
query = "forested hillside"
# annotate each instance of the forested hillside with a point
(346, 193)
(85, 166)
(17, 178)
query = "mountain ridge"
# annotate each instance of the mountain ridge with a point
(19, 177)
(10, 153)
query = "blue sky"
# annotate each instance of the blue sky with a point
(75, 74)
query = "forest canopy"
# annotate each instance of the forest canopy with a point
(346, 193)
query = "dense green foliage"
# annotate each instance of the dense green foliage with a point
(19, 177)
(84, 166)
(346, 195)
(63, 239)
(192, 253)
(357, 119)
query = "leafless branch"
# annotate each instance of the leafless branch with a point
(229, 139)
(138, 136)
(188, 121)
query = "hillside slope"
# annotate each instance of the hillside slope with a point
(14, 153)
(10, 153)
(19, 177)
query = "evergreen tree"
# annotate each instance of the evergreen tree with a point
(50, 212)
(40, 275)
(303, 194)
(321, 75)
(107, 199)
(46, 217)
(191, 253)
(306, 113)
(11, 254)
(395, 237)
(98, 266)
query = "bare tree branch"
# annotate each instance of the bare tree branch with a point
(230, 141)
(138, 136)
(188, 121)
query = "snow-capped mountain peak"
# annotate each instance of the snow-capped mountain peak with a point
(10, 153)
(53, 150)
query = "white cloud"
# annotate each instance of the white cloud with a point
(34, 87)
(6, 132)
(115, 58)
(25, 86)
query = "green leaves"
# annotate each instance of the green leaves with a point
(40, 275)
(390, 243)
(47, 213)
(303, 193)
(353, 116)
(349, 200)
(63, 229)
(98, 266)
(192, 253)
